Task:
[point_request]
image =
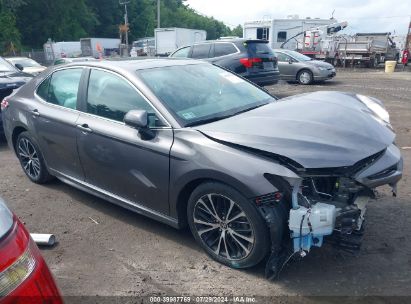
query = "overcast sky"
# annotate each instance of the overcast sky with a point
(362, 15)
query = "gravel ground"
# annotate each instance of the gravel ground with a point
(129, 255)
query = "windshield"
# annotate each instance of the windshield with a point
(298, 56)
(25, 62)
(6, 66)
(201, 93)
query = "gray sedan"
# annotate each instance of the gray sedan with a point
(190, 144)
(294, 66)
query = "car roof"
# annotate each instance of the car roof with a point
(136, 64)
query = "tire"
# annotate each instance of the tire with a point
(374, 62)
(31, 159)
(244, 230)
(305, 77)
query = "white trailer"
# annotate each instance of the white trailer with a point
(57, 50)
(168, 40)
(278, 31)
(95, 47)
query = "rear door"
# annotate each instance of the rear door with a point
(54, 118)
(115, 157)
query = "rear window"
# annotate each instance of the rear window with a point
(259, 48)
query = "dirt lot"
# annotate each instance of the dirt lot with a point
(127, 254)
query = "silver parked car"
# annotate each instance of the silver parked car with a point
(27, 65)
(294, 66)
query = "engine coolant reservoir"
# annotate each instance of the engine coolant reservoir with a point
(321, 217)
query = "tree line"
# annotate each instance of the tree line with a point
(27, 24)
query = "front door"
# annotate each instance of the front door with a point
(287, 70)
(115, 157)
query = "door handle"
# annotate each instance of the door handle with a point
(35, 112)
(85, 128)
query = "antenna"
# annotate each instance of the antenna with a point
(332, 15)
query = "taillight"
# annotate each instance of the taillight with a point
(17, 273)
(4, 104)
(250, 62)
(24, 276)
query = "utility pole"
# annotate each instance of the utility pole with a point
(158, 14)
(125, 2)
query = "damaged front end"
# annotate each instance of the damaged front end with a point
(327, 205)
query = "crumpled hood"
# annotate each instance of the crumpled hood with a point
(317, 130)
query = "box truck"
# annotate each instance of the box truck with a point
(99, 46)
(65, 49)
(168, 40)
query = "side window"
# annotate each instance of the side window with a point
(281, 36)
(201, 51)
(43, 89)
(221, 49)
(182, 53)
(282, 57)
(112, 97)
(63, 88)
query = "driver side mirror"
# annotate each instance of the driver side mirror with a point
(19, 66)
(290, 61)
(138, 119)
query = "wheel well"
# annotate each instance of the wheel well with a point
(303, 69)
(182, 200)
(184, 195)
(16, 132)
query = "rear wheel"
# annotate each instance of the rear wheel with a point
(305, 77)
(227, 226)
(31, 159)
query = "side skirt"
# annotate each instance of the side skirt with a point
(115, 199)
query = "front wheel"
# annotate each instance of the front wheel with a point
(305, 77)
(227, 226)
(31, 159)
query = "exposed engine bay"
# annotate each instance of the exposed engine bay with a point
(325, 206)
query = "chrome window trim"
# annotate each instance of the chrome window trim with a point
(94, 115)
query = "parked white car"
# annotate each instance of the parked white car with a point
(26, 65)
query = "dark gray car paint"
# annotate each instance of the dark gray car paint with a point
(148, 176)
(314, 133)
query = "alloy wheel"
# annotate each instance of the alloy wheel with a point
(29, 158)
(223, 227)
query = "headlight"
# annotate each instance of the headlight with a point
(322, 69)
(375, 107)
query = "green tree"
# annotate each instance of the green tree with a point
(9, 33)
(60, 20)
(237, 31)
